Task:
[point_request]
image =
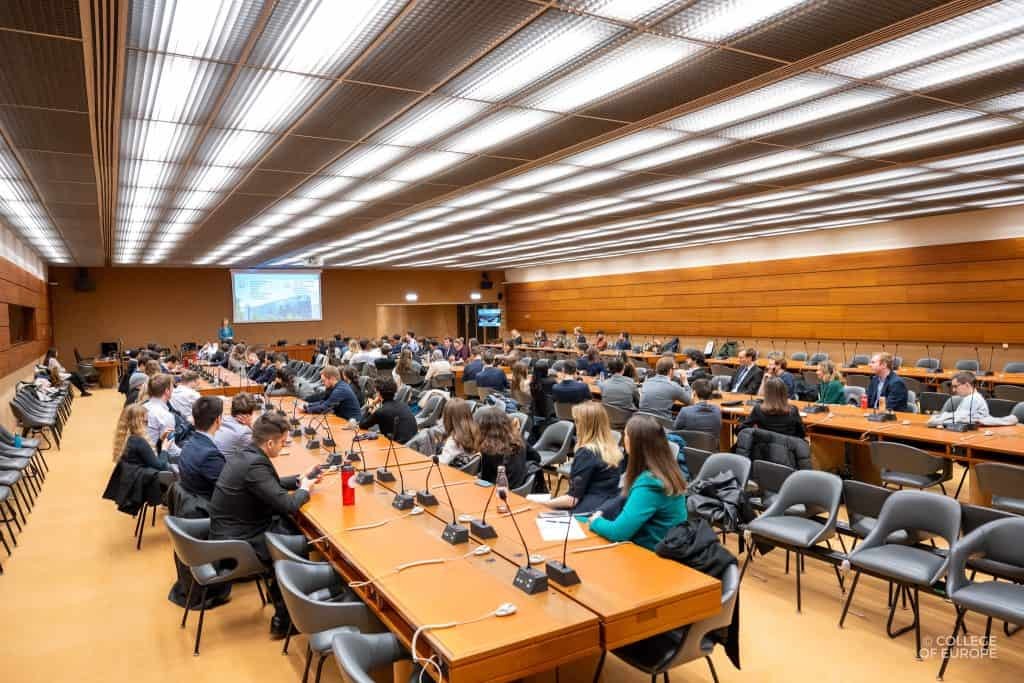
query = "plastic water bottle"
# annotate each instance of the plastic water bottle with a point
(501, 484)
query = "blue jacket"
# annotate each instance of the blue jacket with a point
(473, 368)
(200, 464)
(894, 390)
(570, 391)
(341, 401)
(492, 378)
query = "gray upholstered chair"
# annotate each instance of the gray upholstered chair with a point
(853, 394)
(813, 490)
(909, 567)
(913, 385)
(1000, 407)
(1010, 392)
(928, 363)
(1014, 366)
(617, 417)
(810, 378)
(211, 562)
(469, 386)
(726, 462)
(695, 459)
(931, 401)
(473, 466)
(555, 443)
(358, 654)
(860, 359)
(431, 413)
(563, 411)
(294, 548)
(320, 619)
(1006, 484)
(800, 356)
(442, 380)
(817, 358)
(854, 379)
(697, 439)
(665, 651)
(665, 422)
(968, 364)
(526, 487)
(997, 541)
(721, 382)
(905, 466)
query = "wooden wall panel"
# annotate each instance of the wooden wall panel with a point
(957, 294)
(20, 287)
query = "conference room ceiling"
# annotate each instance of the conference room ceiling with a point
(493, 133)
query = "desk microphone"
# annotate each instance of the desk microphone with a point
(383, 473)
(991, 357)
(363, 477)
(328, 440)
(807, 353)
(295, 421)
(425, 497)
(852, 363)
(352, 455)
(453, 533)
(977, 355)
(309, 429)
(895, 355)
(479, 527)
(817, 351)
(527, 579)
(942, 351)
(559, 572)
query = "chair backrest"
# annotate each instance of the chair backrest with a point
(951, 403)
(997, 541)
(810, 378)
(403, 393)
(721, 382)
(814, 489)
(695, 459)
(483, 392)
(665, 422)
(1018, 411)
(722, 370)
(563, 411)
(853, 395)
(526, 487)
(913, 385)
(696, 439)
(288, 547)
(359, 654)
(1010, 392)
(817, 358)
(411, 377)
(912, 402)
(918, 511)
(968, 364)
(799, 355)
(554, 436)
(930, 363)
(473, 466)
(1000, 407)
(1003, 481)
(442, 380)
(860, 359)
(769, 476)
(469, 386)
(522, 418)
(617, 417)
(857, 380)
(897, 362)
(863, 500)
(899, 457)
(694, 644)
(300, 581)
(931, 401)
(726, 462)
(523, 398)
(977, 515)
(1014, 366)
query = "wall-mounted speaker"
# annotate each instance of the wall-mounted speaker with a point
(83, 283)
(486, 284)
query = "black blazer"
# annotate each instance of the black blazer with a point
(789, 424)
(249, 494)
(894, 391)
(384, 418)
(751, 382)
(200, 465)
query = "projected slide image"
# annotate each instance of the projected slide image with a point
(276, 296)
(488, 317)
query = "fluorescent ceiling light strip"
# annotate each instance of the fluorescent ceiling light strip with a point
(877, 176)
(366, 160)
(473, 197)
(635, 60)
(168, 87)
(583, 180)
(1001, 201)
(832, 105)
(676, 195)
(338, 208)
(719, 20)
(322, 187)
(1006, 103)
(932, 137)
(197, 29)
(496, 129)
(148, 173)
(682, 150)
(423, 165)
(893, 130)
(948, 36)
(537, 176)
(211, 178)
(792, 169)
(517, 199)
(982, 60)
(156, 140)
(881, 185)
(431, 119)
(775, 96)
(269, 100)
(791, 156)
(954, 191)
(627, 146)
(236, 148)
(374, 190)
(1011, 152)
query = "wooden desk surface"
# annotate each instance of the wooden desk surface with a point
(922, 374)
(235, 383)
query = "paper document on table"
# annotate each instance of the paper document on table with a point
(554, 529)
(538, 497)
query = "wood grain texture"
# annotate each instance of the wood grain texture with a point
(18, 286)
(957, 293)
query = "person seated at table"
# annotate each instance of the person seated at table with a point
(695, 366)
(701, 416)
(406, 366)
(393, 418)
(184, 394)
(623, 343)
(600, 341)
(540, 338)
(439, 365)
(618, 390)
(520, 378)
(595, 468)
(579, 339)
(171, 366)
(250, 499)
(654, 488)
(629, 368)
(220, 356)
(568, 389)
(514, 338)
(748, 375)
(201, 461)
(561, 340)
(541, 390)
(972, 408)
(340, 400)
(501, 443)
(351, 351)
(132, 440)
(283, 383)
(830, 384)
(659, 393)
(592, 364)
(652, 346)
(461, 433)
(235, 433)
(777, 367)
(885, 383)
(473, 368)
(775, 414)
(491, 376)
(459, 352)
(161, 421)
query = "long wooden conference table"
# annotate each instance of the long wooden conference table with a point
(626, 593)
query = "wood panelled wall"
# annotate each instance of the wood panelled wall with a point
(963, 294)
(20, 287)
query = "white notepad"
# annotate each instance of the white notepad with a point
(554, 529)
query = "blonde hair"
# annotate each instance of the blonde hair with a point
(593, 431)
(829, 372)
(131, 423)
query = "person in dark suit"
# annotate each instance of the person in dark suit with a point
(491, 376)
(341, 400)
(393, 418)
(747, 379)
(886, 384)
(201, 462)
(250, 499)
(569, 389)
(472, 369)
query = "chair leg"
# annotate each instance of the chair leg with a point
(309, 660)
(259, 587)
(746, 562)
(10, 530)
(287, 640)
(711, 666)
(14, 514)
(202, 613)
(799, 601)
(153, 522)
(17, 502)
(3, 540)
(188, 602)
(849, 598)
(960, 614)
(963, 478)
(904, 592)
(1010, 631)
(320, 667)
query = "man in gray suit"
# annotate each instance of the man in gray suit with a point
(618, 390)
(659, 393)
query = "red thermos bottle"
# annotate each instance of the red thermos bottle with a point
(348, 491)
(864, 401)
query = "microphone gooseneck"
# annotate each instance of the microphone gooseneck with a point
(503, 495)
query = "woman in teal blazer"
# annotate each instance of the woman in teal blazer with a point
(226, 333)
(830, 384)
(655, 489)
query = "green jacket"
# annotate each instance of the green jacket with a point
(647, 515)
(831, 392)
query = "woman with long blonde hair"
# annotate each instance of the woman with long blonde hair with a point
(597, 464)
(130, 443)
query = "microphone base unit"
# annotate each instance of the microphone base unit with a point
(352, 456)
(815, 408)
(330, 443)
(295, 422)
(313, 445)
(295, 432)
(364, 478)
(482, 529)
(309, 431)
(403, 501)
(562, 574)
(960, 426)
(455, 534)
(531, 581)
(385, 475)
(426, 498)
(333, 460)
(882, 417)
